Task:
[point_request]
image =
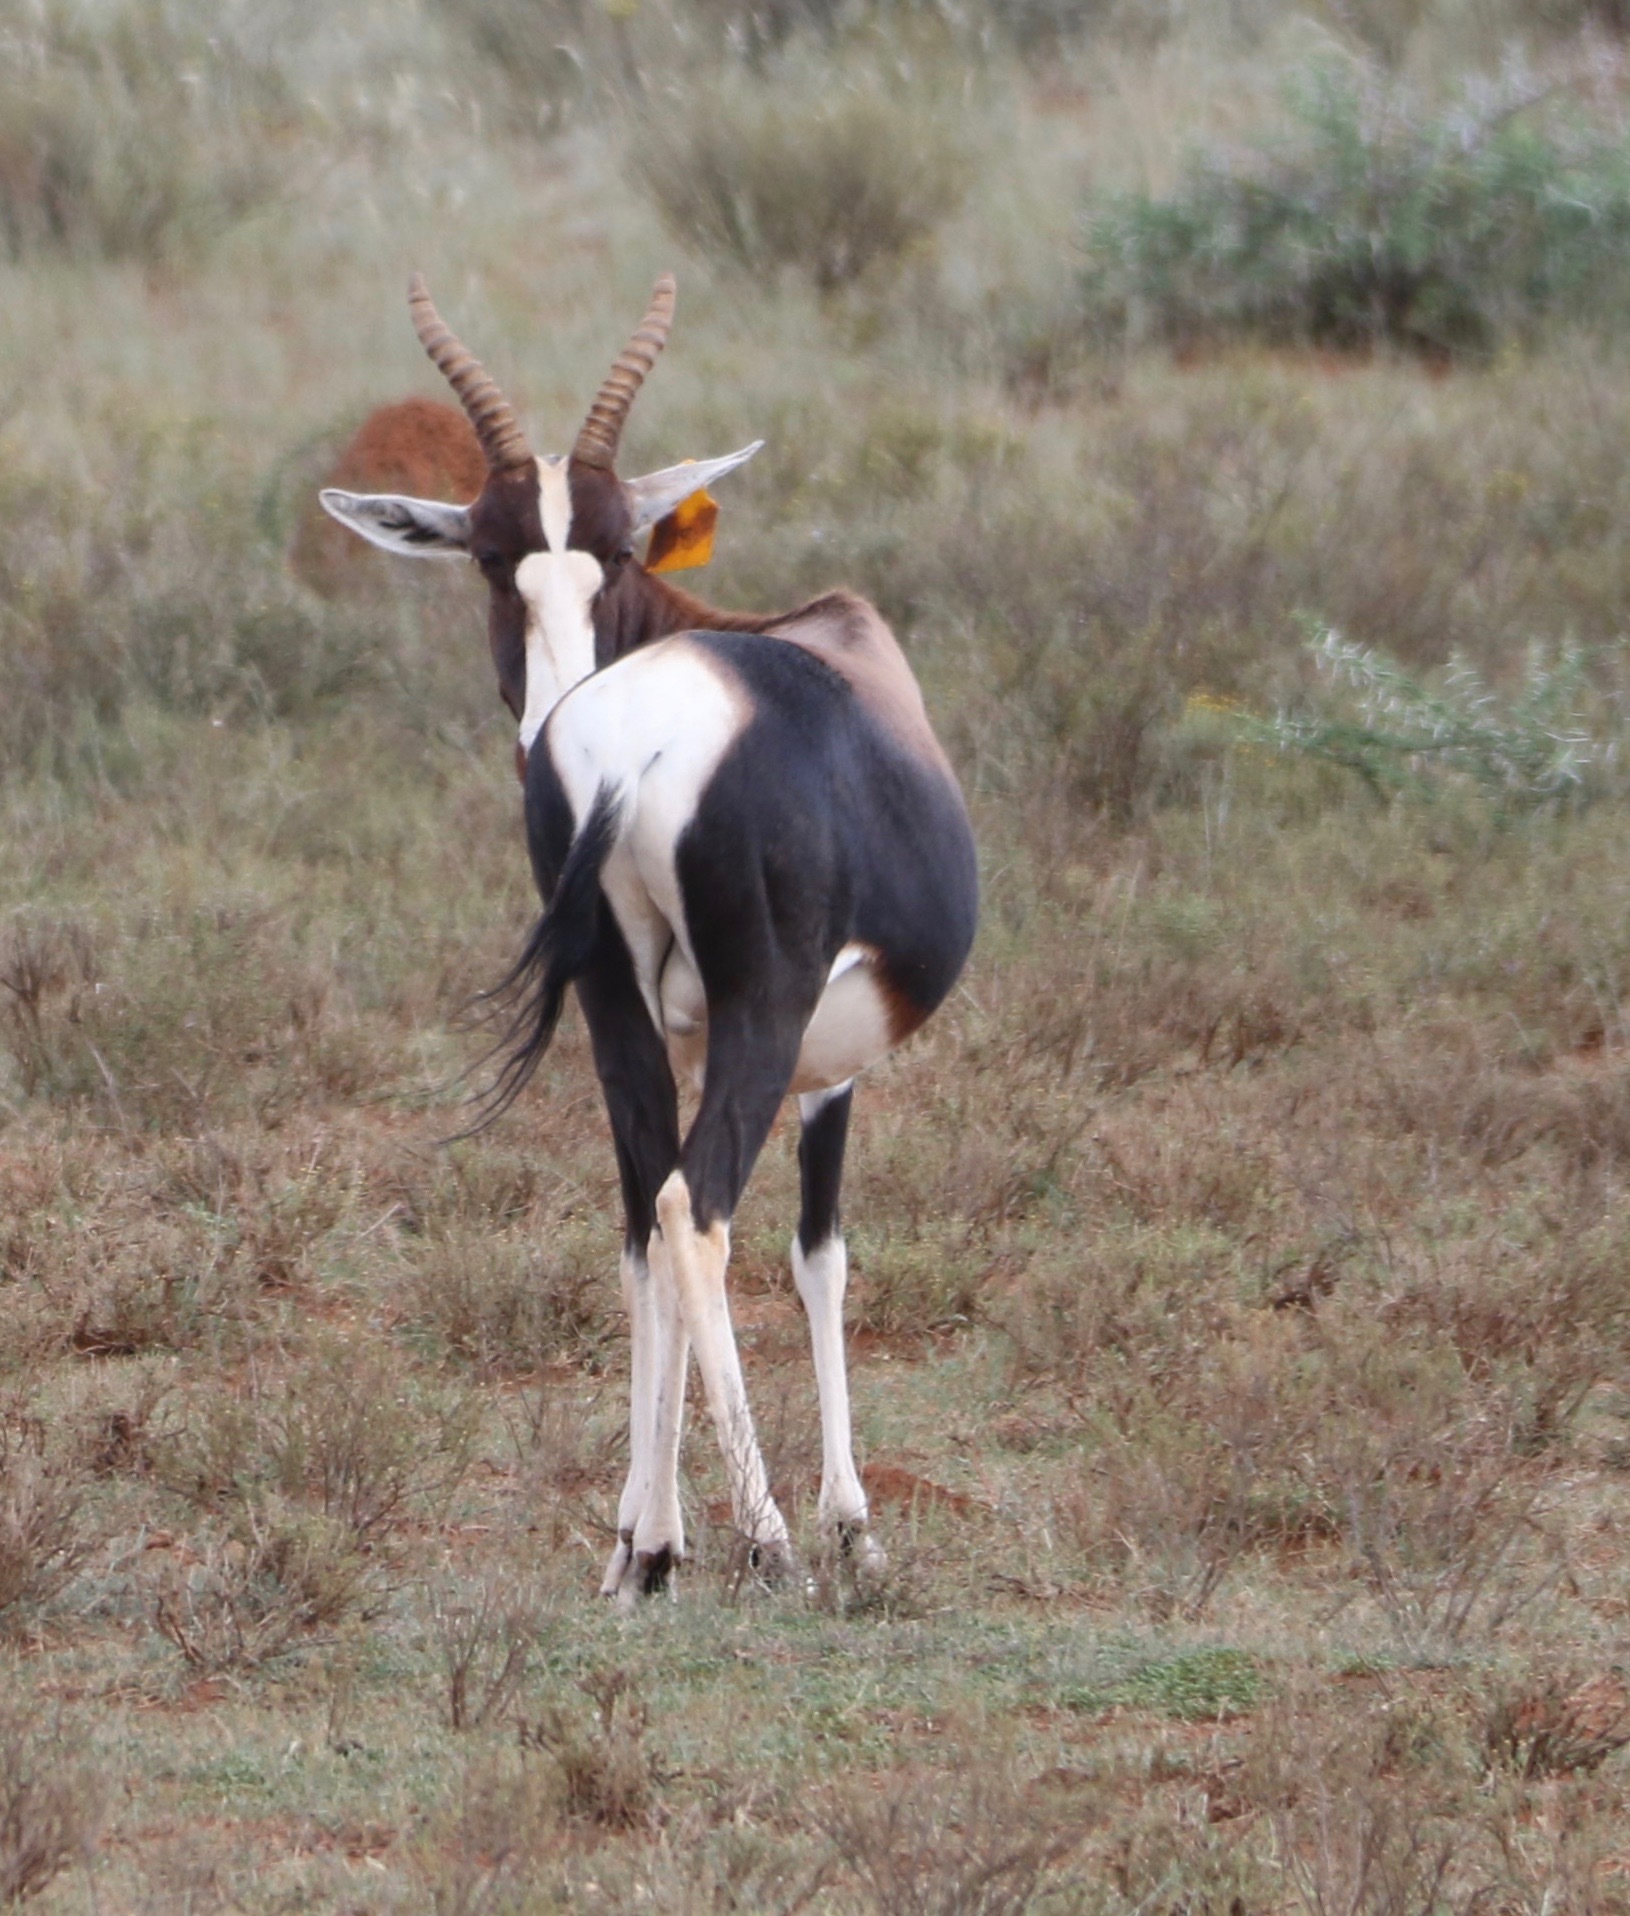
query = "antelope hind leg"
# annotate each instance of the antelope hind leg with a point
(698, 1260)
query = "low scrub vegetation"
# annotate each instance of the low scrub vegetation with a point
(831, 174)
(83, 169)
(262, 1593)
(1379, 221)
(51, 1803)
(43, 1542)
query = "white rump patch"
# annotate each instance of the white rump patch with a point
(851, 1027)
(654, 726)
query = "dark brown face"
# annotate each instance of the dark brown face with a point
(548, 534)
(601, 521)
(552, 507)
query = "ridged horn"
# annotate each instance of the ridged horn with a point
(597, 442)
(491, 414)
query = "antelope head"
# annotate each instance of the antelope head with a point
(553, 536)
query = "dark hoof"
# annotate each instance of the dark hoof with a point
(652, 1570)
(861, 1554)
(774, 1566)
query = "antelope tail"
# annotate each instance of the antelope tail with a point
(557, 951)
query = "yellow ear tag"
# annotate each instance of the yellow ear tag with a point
(685, 537)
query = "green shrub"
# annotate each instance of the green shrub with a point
(832, 171)
(1375, 222)
(1401, 735)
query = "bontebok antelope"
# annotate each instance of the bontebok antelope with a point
(757, 869)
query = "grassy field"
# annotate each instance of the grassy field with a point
(1240, 1317)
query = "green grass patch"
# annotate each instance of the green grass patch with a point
(1198, 1685)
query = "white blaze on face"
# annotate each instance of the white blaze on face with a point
(558, 586)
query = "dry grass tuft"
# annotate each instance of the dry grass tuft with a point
(1560, 1727)
(477, 1854)
(1369, 1852)
(1451, 1537)
(262, 1592)
(834, 177)
(43, 1540)
(40, 961)
(604, 1771)
(505, 1305)
(1362, 1811)
(349, 1440)
(927, 1844)
(119, 1438)
(339, 1433)
(51, 1804)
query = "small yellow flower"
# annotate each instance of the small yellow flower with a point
(1198, 704)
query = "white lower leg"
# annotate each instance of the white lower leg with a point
(636, 1275)
(661, 1524)
(642, 1332)
(822, 1275)
(698, 1259)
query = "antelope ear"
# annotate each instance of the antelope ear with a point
(422, 528)
(656, 495)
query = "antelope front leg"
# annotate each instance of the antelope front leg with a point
(820, 1269)
(698, 1260)
(822, 1275)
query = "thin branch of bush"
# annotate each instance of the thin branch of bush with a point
(485, 1637)
(1530, 751)
(1468, 1575)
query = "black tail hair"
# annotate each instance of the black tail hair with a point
(558, 950)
